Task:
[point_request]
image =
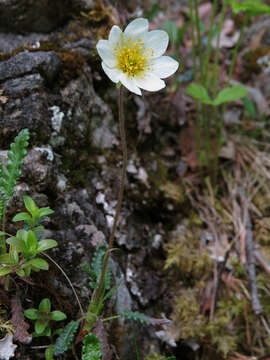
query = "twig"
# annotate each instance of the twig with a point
(250, 256)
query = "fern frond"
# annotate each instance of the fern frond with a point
(95, 270)
(65, 338)
(16, 154)
(91, 348)
(135, 316)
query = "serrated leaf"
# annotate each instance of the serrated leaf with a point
(16, 154)
(135, 316)
(65, 338)
(230, 94)
(91, 348)
(199, 92)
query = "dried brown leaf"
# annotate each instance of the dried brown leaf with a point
(17, 320)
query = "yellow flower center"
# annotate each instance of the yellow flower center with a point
(133, 57)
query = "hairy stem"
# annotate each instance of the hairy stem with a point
(120, 196)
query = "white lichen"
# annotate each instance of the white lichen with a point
(57, 118)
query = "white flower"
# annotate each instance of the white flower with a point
(134, 57)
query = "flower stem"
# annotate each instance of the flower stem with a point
(215, 89)
(209, 43)
(120, 196)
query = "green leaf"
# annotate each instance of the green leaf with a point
(31, 206)
(45, 305)
(40, 326)
(135, 316)
(20, 272)
(65, 338)
(38, 263)
(49, 353)
(31, 314)
(199, 92)
(23, 216)
(27, 271)
(250, 107)
(31, 243)
(5, 270)
(45, 211)
(251, 7)
(153, 12)
(91, 348)
(58, 315)
(230, 94)
(16, 154)
(17, 243)
(46, 244)
(10, 259)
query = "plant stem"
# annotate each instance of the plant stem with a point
(209, 43)
(215, 88)
(68, 280)
(197, 21)
(120, 196)
(3, 238)
(190, 3)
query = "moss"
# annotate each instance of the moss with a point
(72, 61)
(184, 253)
(72, 66)
(251, 57)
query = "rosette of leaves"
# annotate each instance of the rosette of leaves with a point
(26, 245)
(43, 316)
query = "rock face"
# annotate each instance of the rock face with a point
(35, 16)
(53, 87)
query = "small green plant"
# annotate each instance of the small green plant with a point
(43, 317)
(91, 348)
(26, 245)
(9, 176)
(209, 116)
(65, 338)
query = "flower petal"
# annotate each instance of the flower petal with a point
(115, 35)
(150, 82)
(164, 66)
(136, 28)
(113, 74)
(105, 51)
(157, 40)
(130, 84)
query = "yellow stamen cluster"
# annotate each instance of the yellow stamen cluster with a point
(133, 57)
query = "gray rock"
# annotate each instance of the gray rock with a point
(32, 15)
(10, 41)
(45, 63)
(23, 85)
(90, 117)
(30, 112)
